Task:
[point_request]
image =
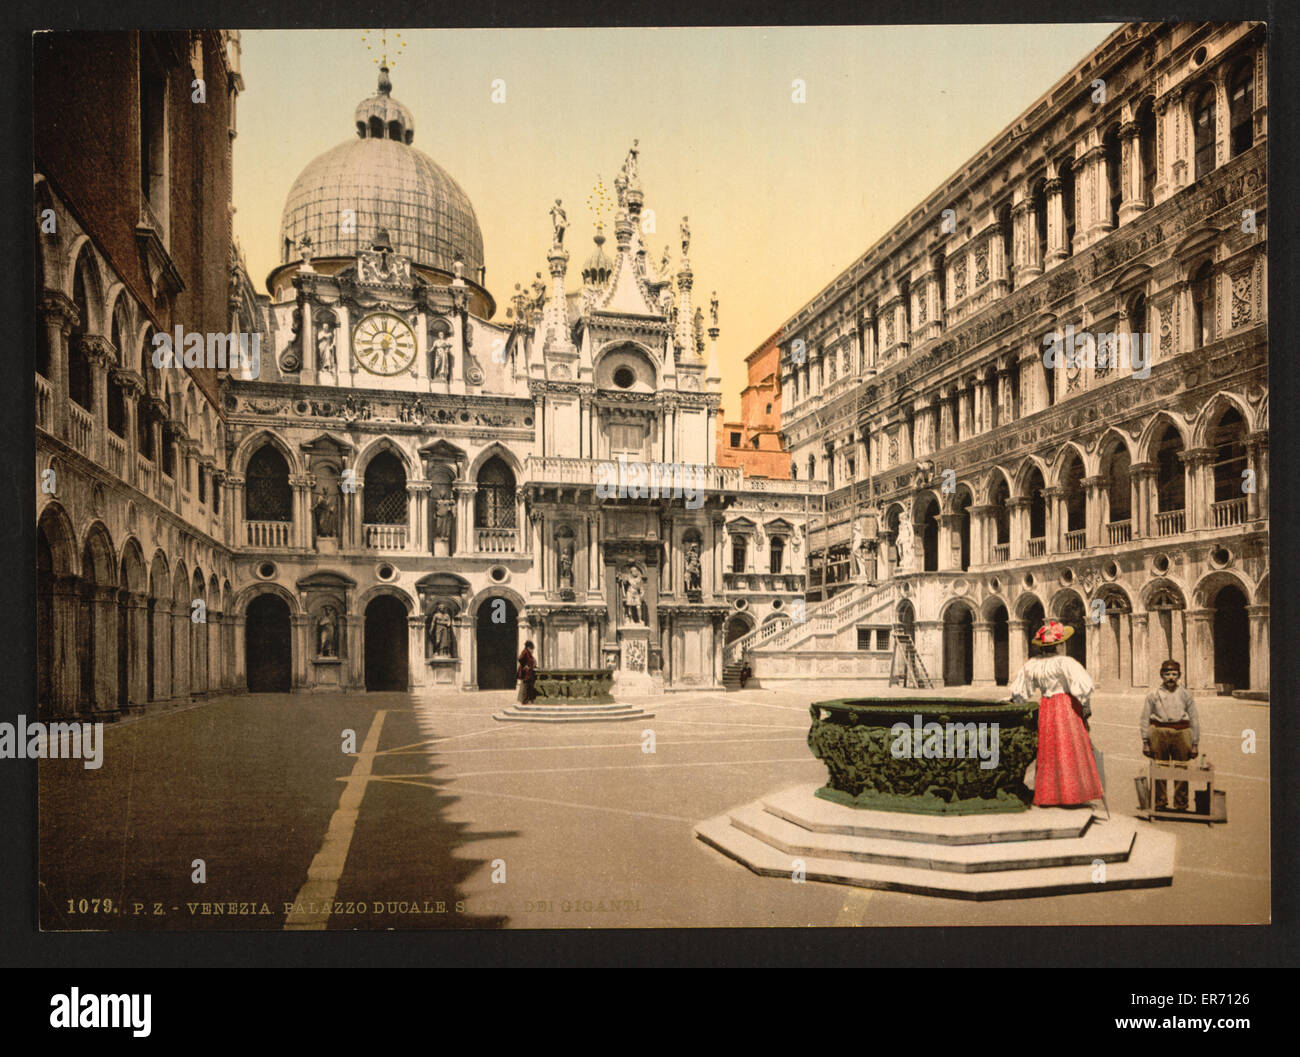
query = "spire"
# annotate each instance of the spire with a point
(385, 84)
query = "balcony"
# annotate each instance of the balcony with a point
(80, 427)
(1229, 512)
(1076, 540)
(1001, 552)
(269, 533)
(1119, 532)
(1171, 523)
(495, 540)
(116, 455)
(769, 583)
(44, 404)
(144, 474)
(1037, 546)
(384, 537)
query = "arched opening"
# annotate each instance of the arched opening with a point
(1034, 489)
(958, 655)
(1111, 150)
(267, 493)
(963, 504)
(1034, 618)
(1231, 640)
(737, 626)
(1241, 109)
(1076, 504)
(385, 645)
(1203, 305)
(776, 554)
(1073, 615)
(930, 533)
(1146, 122)
(97, 624)
(80, 381)
(496, 639)
(1204, 131)
(1228, 439)
(1166, 626)
(1001, 518)
(116, 394)
(494, 507)
(1171, 482)
(1114, 648)
(907, 619)
(268, 650)
(1001, 628)
(1119, 494)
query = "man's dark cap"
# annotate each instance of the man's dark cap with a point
(1171, 666)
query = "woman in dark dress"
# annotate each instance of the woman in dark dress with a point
(527, 673)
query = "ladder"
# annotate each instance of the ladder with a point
(912, 665)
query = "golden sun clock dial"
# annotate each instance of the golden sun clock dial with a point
(384, 344)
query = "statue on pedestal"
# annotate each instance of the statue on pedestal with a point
(326, 513)
(444, 519)
(906, 544)
(566, 563)
(560, 221)
(632, 583)
(327, 633)
(325, 346)
(441, 633)
(694, 570)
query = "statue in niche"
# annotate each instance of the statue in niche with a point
(444, 516)
(632, 583)
(441, 636)
(326, 513)
(325, 345)
(694, 570)
(327, 633)
(566, 562)
(442, 358)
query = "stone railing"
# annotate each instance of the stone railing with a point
(552, 469)
(1076, 540)
(269, 533)
(384, 537)
(116, 454)
(768, 582)
(144, 474)
(44, 403)
(1171, 522)
(80, 427)
(495, 540)
(1037, 546)
(1229, 512)
(1119, 532)
(1002, 552)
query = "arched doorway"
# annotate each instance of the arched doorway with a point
(736, 627)
(267, 645)
(929, 524)
(1231, 639)
(1034, 618)
(496, 636)
(386, 638)
(958, 655)
(1001, 644)
(1072, 615)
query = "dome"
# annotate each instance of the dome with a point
(597, 268)
(388, 184)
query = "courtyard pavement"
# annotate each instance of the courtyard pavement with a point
(441, 817)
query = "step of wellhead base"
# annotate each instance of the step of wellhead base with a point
(605, 714)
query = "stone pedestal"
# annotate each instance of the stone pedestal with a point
(441, 548)
(326, 674)
(632, 676)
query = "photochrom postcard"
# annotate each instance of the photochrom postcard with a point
(634, 478)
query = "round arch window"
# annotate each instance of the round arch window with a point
(624, 377)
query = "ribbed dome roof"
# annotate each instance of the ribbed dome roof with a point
(388, 184)
(598, 267)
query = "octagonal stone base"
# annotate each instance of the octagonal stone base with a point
(1042, 851)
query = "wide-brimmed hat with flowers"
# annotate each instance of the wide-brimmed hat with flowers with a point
(1052, 632)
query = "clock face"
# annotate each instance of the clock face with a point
(384, 344)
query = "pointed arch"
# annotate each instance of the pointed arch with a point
(385, 443)
(496, 448)
(1211, 413)
(251, 444)
(1154, 429)
(99, 556)
(55, 527)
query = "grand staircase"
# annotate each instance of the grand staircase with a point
(822, 618)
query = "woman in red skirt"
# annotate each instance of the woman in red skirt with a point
(1066, 772)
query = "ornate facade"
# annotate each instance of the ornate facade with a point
(387, 489)
(973, 486)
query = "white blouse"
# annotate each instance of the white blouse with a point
(1058, 674)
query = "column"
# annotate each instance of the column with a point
(1200, 648)
(137, 646)
(300, 650)
(1057, 249)
(234, 509)
(1025, 266)
(417, 493)
(1017, 646)
(1163, 151)
(1141, 663)
(60, 315)
(162, 650)
(1093, 499)
(982, 646)
(465, 542)
(239, 667)
(1259, 647)
(1018, 513)
(1057, 524)
(416, 666)
(65, 677)
(949, 541)
(1131, 202)
(1257, 462)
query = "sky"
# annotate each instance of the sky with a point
(781, 195)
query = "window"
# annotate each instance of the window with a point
(627, 440)
(852, 466)
(882, 638)
(769, 410)
(152, 124)
(864, 638)
(624, 378)
(267, 495)
(735, 440)
(1241, 107)
(753, 442)
(794, 470)
(1147, 150)
(80, 380)
(1170, 479)
(1204, 129)
(1111, 148)
(494, 503)
(776, 554)
(1228, 439)
(739, 552)
(384, 497)
(1203, 305)
(203, 486)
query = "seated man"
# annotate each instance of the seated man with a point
(1170, 730)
